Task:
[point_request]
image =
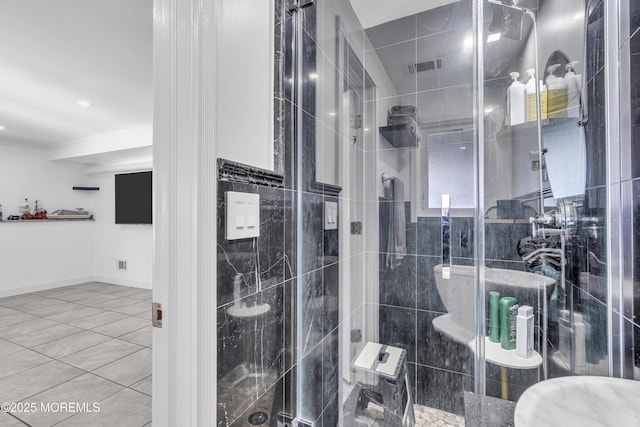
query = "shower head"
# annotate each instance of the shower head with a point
(508, 18)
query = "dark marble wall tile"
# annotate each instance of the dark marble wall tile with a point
(428, 297)
(634, 16)
(262, 258)
(398, 285)
(312, 238)
(634, 74)
(269, 403)
(596, 132)
(312, 321)
(310, 372)
(442, 389)
(439, 351)
(398, 329)
(506, 265)
(462, 237)
(330, 371)
(429, 236)
(501, 240)
(290, 323)
(290, 390)
(250, 348)
(331, 413)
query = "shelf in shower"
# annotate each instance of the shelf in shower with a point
(400, 136)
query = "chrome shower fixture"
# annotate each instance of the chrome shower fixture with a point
(508, 18)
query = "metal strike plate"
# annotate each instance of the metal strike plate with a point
(156, 315)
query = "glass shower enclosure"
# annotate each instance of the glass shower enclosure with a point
(446, 167)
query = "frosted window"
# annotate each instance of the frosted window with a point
(451, 169)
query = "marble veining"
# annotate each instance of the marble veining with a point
(580, 402)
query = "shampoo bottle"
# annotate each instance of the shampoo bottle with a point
(574, 87)
(494, 316)
(531, 95)
(515, 101)
(557, 94)
(524, 331)
(508, 315)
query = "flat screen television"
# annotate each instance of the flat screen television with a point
(134, 197)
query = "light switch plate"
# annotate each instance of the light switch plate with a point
(242, 215)
(330, 215)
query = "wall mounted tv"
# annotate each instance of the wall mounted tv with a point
(134, 197)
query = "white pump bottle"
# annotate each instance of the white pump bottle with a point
(515, 102)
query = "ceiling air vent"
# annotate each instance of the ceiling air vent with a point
(434, 64)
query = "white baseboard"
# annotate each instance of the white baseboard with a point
(118, 280)
(43, 286)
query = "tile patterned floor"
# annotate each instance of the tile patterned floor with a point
(428, 417)
(83, 343)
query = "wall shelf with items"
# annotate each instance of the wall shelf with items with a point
(530, 129)
(400, 136)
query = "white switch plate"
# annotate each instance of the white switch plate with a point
(242, 216)
(330, 215)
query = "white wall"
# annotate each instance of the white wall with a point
(37, 255)
(27, 172)
(41, 255)
(133, 243)
(245, 75)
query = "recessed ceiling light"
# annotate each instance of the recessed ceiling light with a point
(84, 103)
(313, 76)
(332, 113)
(493, 37)
(2, 127)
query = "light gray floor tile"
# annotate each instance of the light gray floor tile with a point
(128, 370)
(56, 306)
(144, 385)
(4, 311)
(21, 361)
(136, 406)
(36, 324)
(144, 295)
(95, 299)
(145, 315)
(24, 301)
(7, 348)
(46, 335)
(135, 307)
(17, 317)
(7, 420)
(121, 327)
(72, 295)
(101, 354)
(69, 316)
(87, 388)
(91, 286)
(71, 344)
(96, 320)
(123, 291)
(36, 380)
(141, 336)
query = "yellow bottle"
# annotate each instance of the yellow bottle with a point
(530, 91)
(558, 94)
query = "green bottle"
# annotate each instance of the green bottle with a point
(494, 316)
(508, 316)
